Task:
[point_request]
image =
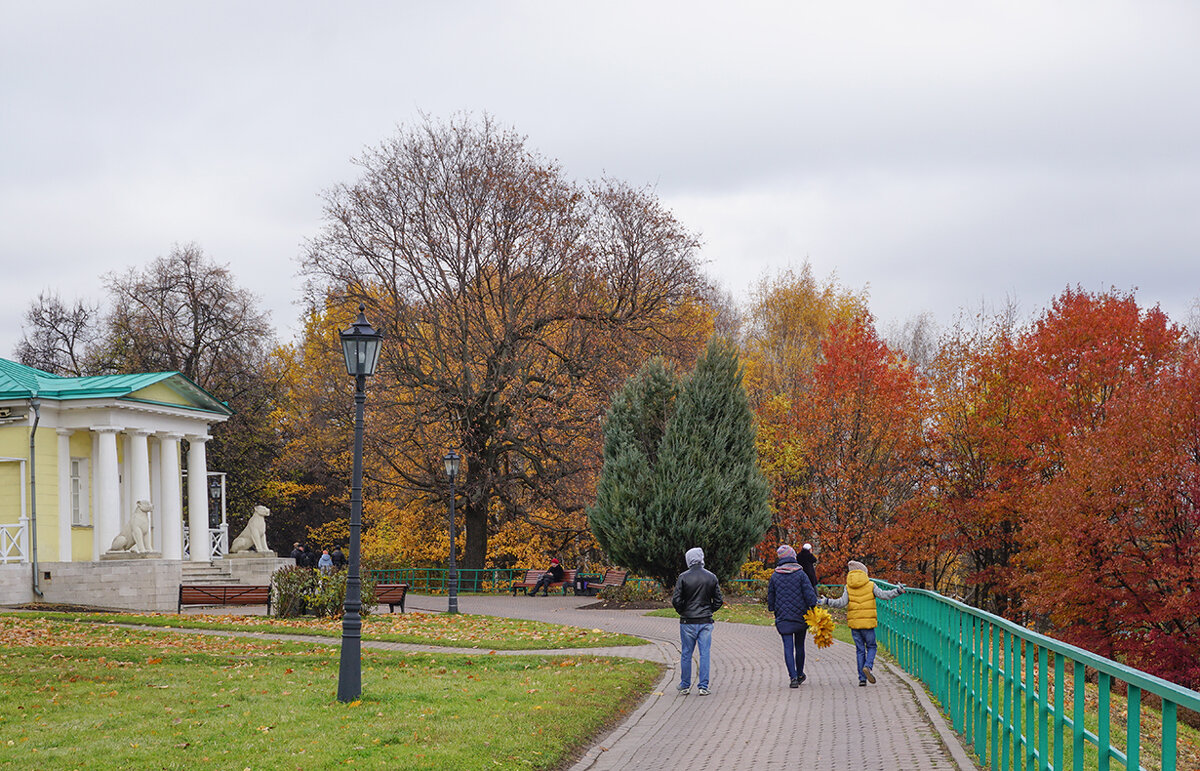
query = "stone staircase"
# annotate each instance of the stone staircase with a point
(195, 573)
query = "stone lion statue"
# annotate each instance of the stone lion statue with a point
(135, 535)
(255, 533)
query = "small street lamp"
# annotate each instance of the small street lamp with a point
(452, 463)
(360, 346)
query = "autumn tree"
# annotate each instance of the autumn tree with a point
(515, 302)
(182, 313)
(61, 338)
(860, 423)
(1114, 538)
(784, 328)
(978, 461)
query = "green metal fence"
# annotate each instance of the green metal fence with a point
(1006, 689)
(436, 579)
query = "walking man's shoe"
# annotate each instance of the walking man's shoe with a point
(703, 691)
(803, 677)
(795, 683)
(868, 674)
(684, 691)
(862, 683)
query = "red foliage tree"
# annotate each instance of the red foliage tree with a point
(1114, 538)
(860, 425)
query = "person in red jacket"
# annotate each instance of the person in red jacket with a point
(551, 576)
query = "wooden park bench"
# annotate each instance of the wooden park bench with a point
(611, 578)
(531, 578)
(391, 595)
(224, 594)
(591, 587)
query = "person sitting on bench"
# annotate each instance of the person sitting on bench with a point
(551, 576)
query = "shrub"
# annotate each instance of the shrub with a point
(303, 590)
(328, 595)
(635, 591)
(290, 585)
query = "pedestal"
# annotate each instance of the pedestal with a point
(241, 555)
(131, 555)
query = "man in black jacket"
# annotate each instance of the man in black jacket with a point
(551, 576)
(696, 598)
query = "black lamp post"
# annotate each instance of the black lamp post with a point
(360, 345)
(452, 460)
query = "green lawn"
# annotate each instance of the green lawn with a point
(458, 631)
(81, 695)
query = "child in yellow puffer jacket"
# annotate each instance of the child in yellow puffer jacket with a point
(859, 600)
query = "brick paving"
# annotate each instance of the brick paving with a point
(751, 719)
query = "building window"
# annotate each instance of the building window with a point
(80, 509)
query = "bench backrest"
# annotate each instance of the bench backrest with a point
(388, 592)
(615, 577)
(224, 594)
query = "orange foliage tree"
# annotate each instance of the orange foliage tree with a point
(978, 464)
(514, 302)
(1110, 537)
(861, 421)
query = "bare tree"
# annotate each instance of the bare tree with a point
(61, 339)
(917, 339)
(514, 302)
(185, 313)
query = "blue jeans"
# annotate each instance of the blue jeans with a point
(689, 635)
(864, 650)
(793, 651)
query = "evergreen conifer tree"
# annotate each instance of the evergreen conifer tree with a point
(681, 470)
(633, 432)
(709, 491)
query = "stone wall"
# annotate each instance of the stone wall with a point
(138, 584)
(145, 584)
(254, 570)
(15, 581)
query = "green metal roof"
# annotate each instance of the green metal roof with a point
(20, 382)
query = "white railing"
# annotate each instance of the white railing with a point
(218, 542)
(12, 544)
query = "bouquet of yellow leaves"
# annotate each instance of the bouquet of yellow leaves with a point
(820, 623)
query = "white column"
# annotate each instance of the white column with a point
(93, 493)
(198, 498)
(171, 503)
(108, 490)
(156, 522)
(64, 494)
(139, 474)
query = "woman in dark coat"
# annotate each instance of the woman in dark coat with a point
(789, 596)
(808, 561)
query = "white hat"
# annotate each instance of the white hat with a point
(808, 547)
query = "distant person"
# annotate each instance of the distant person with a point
(551, 576)
(789, 596)
(310, 557)
(808, 561)
(325, 564)
(696, 598)
(339, 559)
(298, 554)
(859, 600)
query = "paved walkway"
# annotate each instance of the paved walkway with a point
(751, 719)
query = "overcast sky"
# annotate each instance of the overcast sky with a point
(940, 155)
